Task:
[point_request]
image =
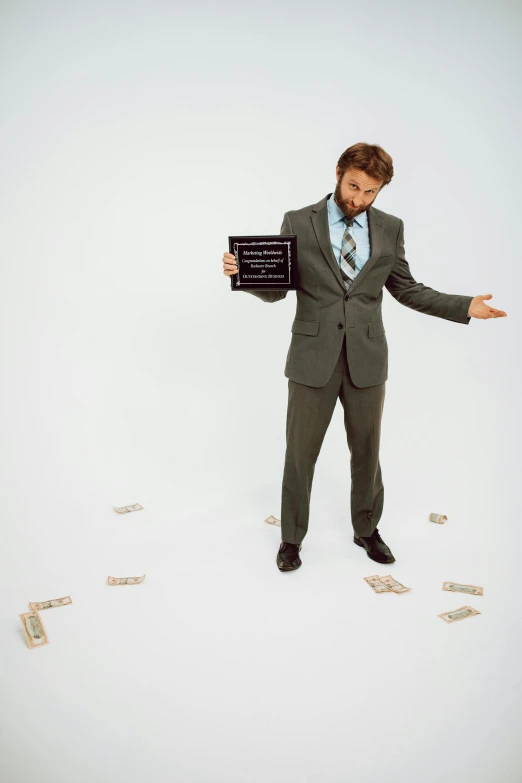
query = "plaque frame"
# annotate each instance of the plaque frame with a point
(291, 278)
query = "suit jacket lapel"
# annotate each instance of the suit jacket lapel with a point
(319, 217)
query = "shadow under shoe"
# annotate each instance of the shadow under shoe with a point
(375, 547)
(288, 556)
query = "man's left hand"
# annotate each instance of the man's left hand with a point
(478, 308)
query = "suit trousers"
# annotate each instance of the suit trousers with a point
(309, 413)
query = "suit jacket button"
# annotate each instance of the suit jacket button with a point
(339, 326)
(346, 297)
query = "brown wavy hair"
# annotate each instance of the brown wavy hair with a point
(370, 158)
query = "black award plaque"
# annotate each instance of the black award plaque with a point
(264, 262)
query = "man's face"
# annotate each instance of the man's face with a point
(356, 192)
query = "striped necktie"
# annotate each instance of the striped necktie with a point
(347, 260)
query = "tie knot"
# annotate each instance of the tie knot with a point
(348, 221)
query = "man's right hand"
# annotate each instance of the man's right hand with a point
(229, 264)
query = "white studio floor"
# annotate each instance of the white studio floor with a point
(220, 668)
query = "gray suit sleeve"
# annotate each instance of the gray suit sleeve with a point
(274, 296)
(402, 286)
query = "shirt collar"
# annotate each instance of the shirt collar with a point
(335, 214)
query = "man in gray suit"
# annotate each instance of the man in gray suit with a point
(347, 252)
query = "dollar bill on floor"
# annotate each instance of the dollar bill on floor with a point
(393, 585)
(454, 587)
(438, 518)
(462, 613)
(273, 520)
(38, 607)
(376, 584)
(125, 580)
(128, 509)
(34, 630)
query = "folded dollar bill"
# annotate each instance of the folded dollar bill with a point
(438, 518)
(273, 520)
(376, 584)
(125, 580)
(385, 584)
(127, 509)
(458, 614)
(34, 630)
(394, 586)
(38, 607)
(454, 587)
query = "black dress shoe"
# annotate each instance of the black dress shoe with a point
(375, 547)
(288, 556)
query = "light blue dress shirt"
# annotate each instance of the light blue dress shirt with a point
(359, 231)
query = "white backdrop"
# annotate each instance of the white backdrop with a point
(135, 138)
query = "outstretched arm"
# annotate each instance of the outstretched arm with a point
(401, 285)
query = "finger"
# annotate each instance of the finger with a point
(486, 296)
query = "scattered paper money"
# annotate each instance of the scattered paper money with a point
(376, 584)
(438, 518)
(385, 584)
(454, 587)
(34, 630)
(273, 521)
(125, 580)
(458, 614)
(393, 585)
(126, 509)
(36, 607)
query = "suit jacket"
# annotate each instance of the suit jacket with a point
(326, 311)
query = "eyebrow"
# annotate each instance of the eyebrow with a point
(351, 182)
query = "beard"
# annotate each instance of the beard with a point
(345, 207)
